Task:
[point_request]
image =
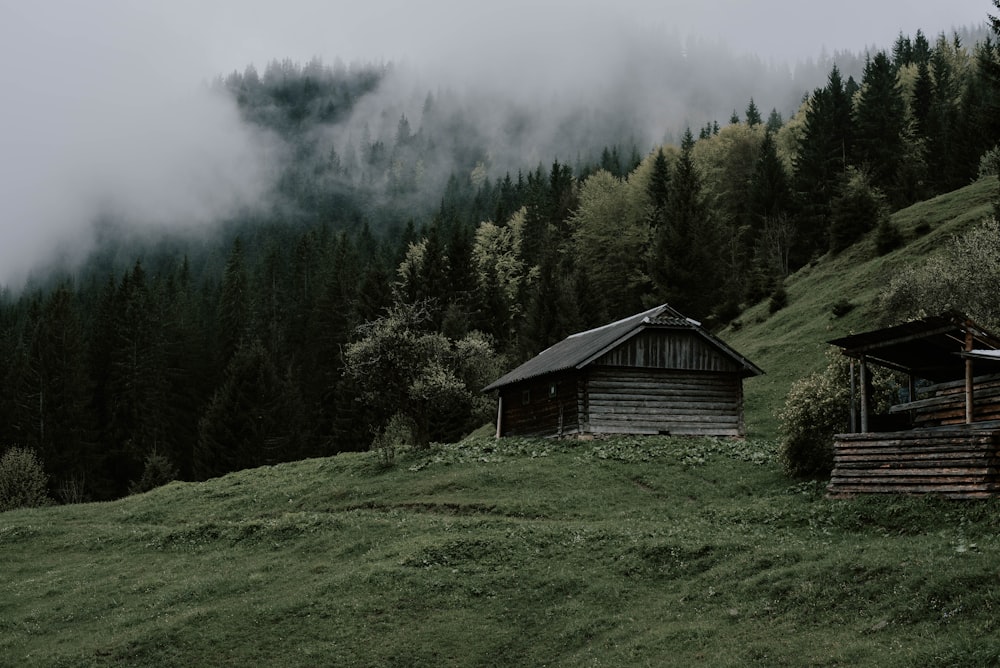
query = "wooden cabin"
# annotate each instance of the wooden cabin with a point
(656, 372)
(943, 437)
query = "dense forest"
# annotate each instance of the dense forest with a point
(355, 303)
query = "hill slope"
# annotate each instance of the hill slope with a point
(604, 553)
(791, 343)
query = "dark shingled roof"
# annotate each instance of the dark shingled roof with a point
(578, 350)
(929, 348)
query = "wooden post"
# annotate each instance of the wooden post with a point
(854, 401)
(864, 395)
(499, 415)
(969, 399)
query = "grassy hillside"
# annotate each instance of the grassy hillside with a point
(791, 343)
(653, 552)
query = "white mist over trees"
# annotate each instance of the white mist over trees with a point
(106, 118)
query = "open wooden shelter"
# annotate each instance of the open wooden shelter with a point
(656, 372)
(943, 437)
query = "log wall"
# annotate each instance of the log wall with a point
(956, 463)
(944, 403)
(647, 401)
(548, 406)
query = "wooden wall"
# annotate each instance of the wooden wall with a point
(540, 412)
(944, 403)
(667, 349)
(650, 401)
(956, 463)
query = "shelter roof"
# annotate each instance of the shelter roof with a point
(930, 347)
(578, 350)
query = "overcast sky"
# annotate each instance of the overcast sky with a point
(101, 107)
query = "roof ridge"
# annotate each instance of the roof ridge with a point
(641, 317)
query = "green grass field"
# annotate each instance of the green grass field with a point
(624, 552)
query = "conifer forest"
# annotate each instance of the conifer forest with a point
(403, 263)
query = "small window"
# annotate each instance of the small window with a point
(525, 397)
(552, 391)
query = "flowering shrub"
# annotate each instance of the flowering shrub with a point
(817, 407)
(964, 276)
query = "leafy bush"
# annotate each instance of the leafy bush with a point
(397, 433)
(989, 162)
(964, 277)
(402, 366)
(779, 299)
(841, 307)
(887, 236)
(22, 480)
(817, 407)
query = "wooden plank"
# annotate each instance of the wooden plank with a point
(664, 420)
(917, 475)
(959, 385)
(981, 491)
(889, 456)
(702, 397)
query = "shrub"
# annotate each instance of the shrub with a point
(964, 276)
(397, 433)
(887, 236)
(841, 307)
(858, 208)
(989, 163)
(157, 471)
(779, 299)
(817, 407)
(22, 480)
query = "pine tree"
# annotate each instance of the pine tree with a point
(658, 188)
(753, 114)
(234, 304)
(56, 388)
(686, 266)
(880, 128)
(253, 419)
(825, 149)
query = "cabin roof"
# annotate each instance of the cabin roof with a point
(930, 347)
(578, 350)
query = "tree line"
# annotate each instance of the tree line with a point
(306, 330)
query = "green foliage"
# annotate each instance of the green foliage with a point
(396, 434)
(253, 418)
(842, 307)
(779, 299)
(817, 407)
(989, 163)
(23, 481)
(157, 471)
(403, 367)
(686, 266)
(887, 236)
(858, 208)
(611, 236)
(963, 277)
(881, 133)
